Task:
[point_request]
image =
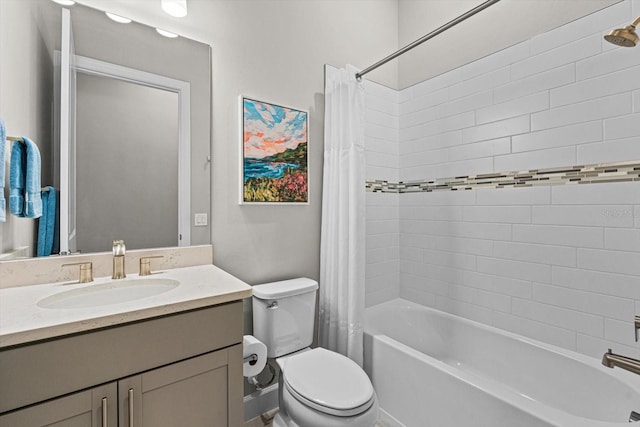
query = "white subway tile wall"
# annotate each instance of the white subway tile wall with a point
(382, 126)
(561, 263)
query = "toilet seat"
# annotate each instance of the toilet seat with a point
(328, 382)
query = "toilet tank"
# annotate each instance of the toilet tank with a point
(284, 314)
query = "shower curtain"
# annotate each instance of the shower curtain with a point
(342, 247)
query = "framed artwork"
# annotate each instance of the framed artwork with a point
(274, 156)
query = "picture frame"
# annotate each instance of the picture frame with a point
(274, 161)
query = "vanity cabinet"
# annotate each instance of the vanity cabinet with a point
(183, 369)
(188, 393)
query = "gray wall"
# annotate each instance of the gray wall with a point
(25, 101)
(274, 51)
(127, 171)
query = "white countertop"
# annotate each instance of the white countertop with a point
(23, 321)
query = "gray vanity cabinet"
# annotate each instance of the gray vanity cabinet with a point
(188, 393)
(180, 370)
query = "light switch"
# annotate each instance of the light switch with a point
(200, 220)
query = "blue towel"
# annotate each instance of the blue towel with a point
(46, 225)
(56, 227)
(3, 147)
(33, 201)
(17, 168)
(24, 180)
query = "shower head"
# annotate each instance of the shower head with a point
(626, 37)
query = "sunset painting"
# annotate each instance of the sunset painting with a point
(274, 153)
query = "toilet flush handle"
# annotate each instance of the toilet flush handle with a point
(273, 305)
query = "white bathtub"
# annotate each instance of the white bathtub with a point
(433, 369)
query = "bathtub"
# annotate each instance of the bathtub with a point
(433, 369)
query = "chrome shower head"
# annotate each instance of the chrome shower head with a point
(626, 37)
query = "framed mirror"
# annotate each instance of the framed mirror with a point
(128, 131)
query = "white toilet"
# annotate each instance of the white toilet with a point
(317, 387)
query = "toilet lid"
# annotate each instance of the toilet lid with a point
(329, 382)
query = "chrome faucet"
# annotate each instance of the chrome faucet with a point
(118, 259)
(612, 360)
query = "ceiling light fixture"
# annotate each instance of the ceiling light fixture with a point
(166, 33)
(119, 19)
(177, 8)
(65, 2)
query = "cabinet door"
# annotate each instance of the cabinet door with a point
(97, 407)
(194, 392)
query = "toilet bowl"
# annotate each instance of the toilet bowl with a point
(322, 388)
(317, 387)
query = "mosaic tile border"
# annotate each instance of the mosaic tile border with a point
(585, 174)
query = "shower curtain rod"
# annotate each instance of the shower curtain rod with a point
(432, 34)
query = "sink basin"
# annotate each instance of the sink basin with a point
(113, 292)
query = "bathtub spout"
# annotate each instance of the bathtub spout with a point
(612, 360)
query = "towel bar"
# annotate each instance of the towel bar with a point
(15, 138)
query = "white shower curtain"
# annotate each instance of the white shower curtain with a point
(342, 247)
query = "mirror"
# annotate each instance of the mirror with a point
(139, 143)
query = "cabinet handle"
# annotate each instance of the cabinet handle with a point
(130, 407)
(105, 422)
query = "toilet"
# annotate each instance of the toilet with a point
(317, 387)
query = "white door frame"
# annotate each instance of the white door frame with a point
(183, 90)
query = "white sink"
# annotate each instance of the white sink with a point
(112, 292)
